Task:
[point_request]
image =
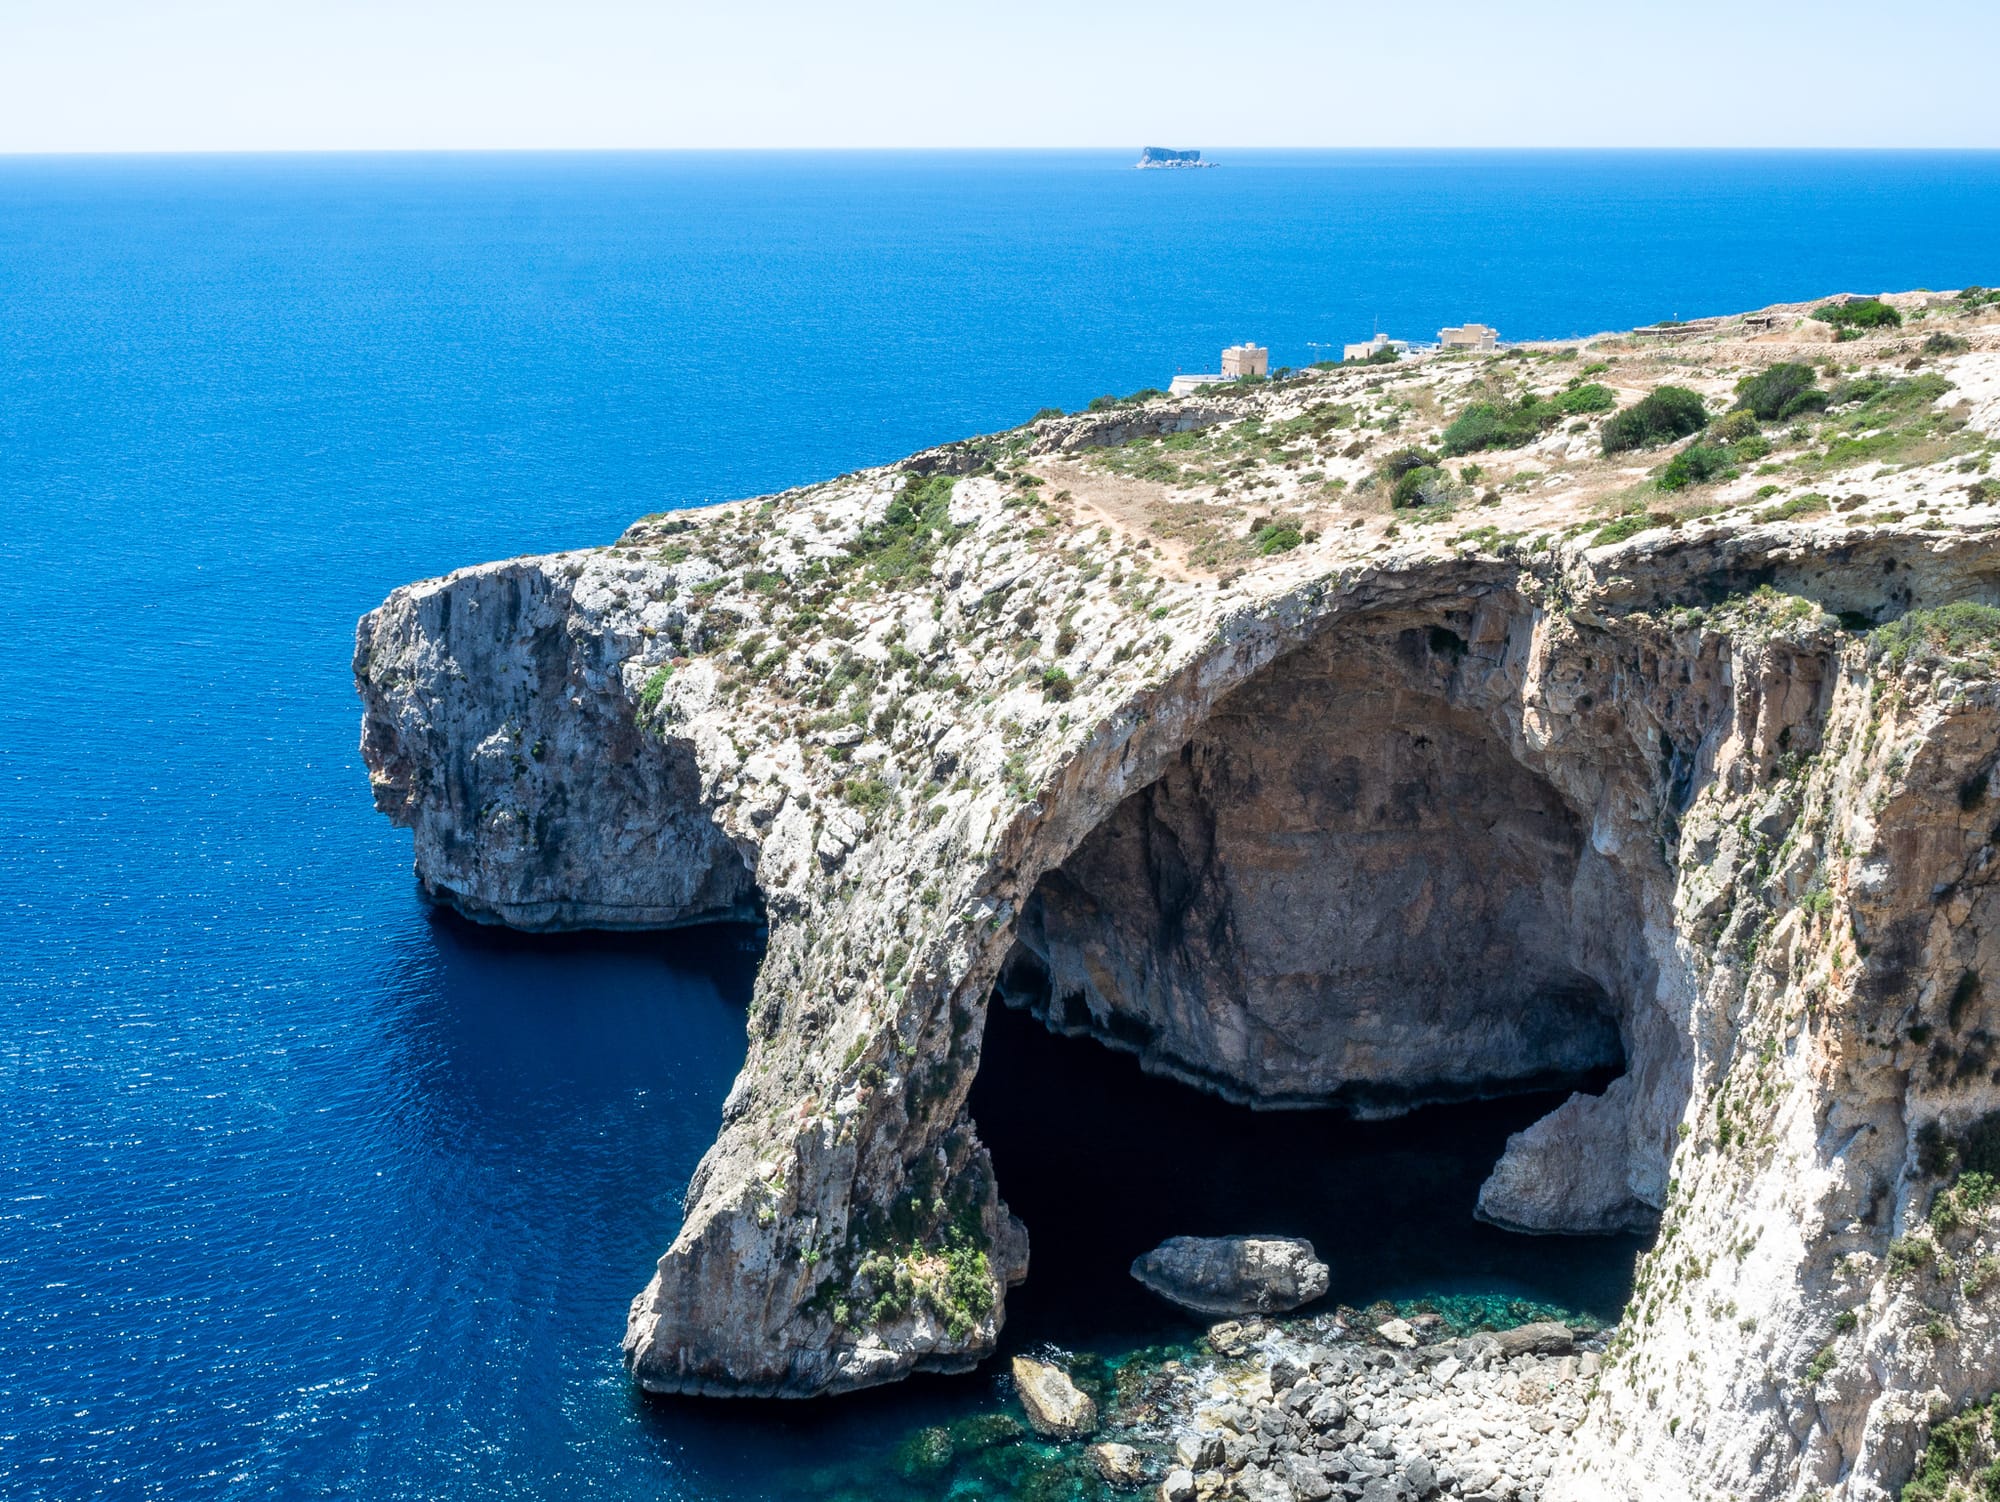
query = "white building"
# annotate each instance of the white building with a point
(1238, 362)
(1374, 347)
(1470, 336)
(1241, 360)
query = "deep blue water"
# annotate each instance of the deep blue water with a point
(305, 1191)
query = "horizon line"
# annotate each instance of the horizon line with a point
(1487, 149)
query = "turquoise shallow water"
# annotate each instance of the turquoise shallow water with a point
(305, 1191)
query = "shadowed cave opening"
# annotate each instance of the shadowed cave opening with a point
(1103, 1161)
(1352, 904)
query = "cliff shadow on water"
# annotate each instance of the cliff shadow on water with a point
(1102, 1161)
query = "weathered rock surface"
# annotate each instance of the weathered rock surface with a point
(1118, 1464)
(1455, 800)
(1056, 1407)
(1567, 1171)
(1234, 1274)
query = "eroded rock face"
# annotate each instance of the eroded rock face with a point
(1662, 802)
(1234, 1274)
(1349, 887)
(535, 799)
(1567, 1172)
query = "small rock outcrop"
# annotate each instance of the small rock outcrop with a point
(1234, 1274)
(1057, 1408)
(1120, 1465)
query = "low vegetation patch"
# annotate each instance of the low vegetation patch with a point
(1663, 415)
(1780, 393)
(1630, 525)
(655, 689)
(1508, 425)
(1808, 503)
(1877, 419)
(1961, 1458)
(1960, 632)
(1857, 316)
(917, 523)
(1697, 464)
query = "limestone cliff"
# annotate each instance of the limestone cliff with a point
(1256, 736)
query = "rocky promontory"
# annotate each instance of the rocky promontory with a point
(1359, 738)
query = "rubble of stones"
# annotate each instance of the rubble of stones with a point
(1315, 1411)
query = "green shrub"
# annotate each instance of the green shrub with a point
(655, 689)
(1659, 417)
(1780, 393)
(1859, 313)
(1959, 630)
(1740, 423)
(1585, 397)
(1492, 425)
(1404, 460)
(1946, 344)
(1410, 485)
(1884, 397)
(1057, 685)
(1958, 1458)
(1042, 413)
(1277, 537)
(1696, 464)
(866, 793)
(1909, 1254)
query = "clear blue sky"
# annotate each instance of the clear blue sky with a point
(126, 75)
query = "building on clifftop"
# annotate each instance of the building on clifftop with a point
(1476, 336)
(1239, 362)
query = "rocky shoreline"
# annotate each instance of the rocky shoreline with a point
(1343, 1406)
(1394, 1413)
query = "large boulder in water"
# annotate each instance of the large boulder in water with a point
(1234, 1274)
(1057, 1408)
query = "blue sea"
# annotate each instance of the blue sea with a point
(308, 1191)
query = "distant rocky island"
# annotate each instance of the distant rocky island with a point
(1356, 737)
(1163, 156)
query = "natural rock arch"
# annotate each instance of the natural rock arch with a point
(1350, 889)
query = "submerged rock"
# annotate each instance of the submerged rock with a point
(1057, 1408)
(1234, 1274)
